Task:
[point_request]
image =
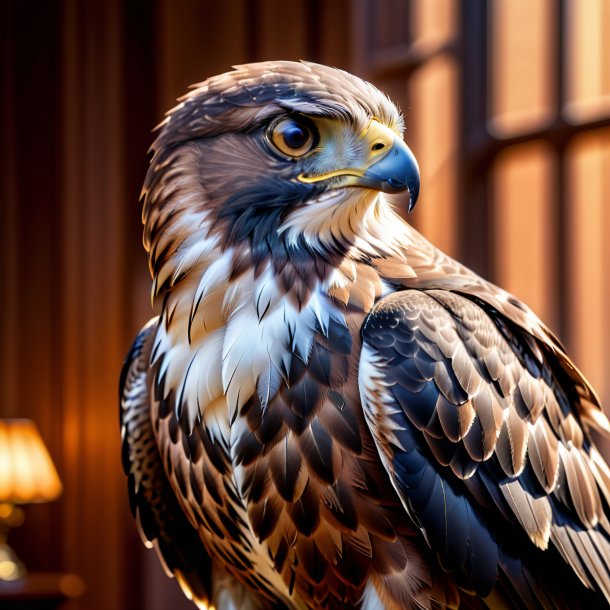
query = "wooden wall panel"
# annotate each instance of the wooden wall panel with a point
(66, 307)
(588, 271)
(95, 301)
(282, 34)
(524, 230)
(588, 62)
(332, 33)
(522, 74)
(29, 199)
(197, 39)
(432, 134)
(9, 208)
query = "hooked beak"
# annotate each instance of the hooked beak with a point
(389, 165)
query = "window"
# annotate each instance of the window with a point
(507, 109)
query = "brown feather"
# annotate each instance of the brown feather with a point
(430, 466)
(511, 447)
(544, 454)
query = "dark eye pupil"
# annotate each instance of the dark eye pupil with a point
(295, 136)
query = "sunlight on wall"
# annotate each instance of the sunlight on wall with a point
(435, 140)
(588, 24)
(589, 270)
(524, 220)
(521, 74)
(434, 20)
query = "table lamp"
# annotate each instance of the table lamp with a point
(27, 475)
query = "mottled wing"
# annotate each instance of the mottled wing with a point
(161, 521)
(482, 439)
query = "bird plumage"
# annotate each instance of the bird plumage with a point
(329, 412)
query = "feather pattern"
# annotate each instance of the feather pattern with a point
(329, 412)
(161, 522)
(401, 400)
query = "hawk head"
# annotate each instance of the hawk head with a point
(272, 157)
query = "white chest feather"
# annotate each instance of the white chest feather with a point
(223, 339)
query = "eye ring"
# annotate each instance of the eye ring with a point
(292, 136)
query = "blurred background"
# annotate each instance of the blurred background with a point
(507, 106)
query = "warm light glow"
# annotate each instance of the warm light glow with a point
(8, 570)
(523, 216)
(27, 473)
(72, 585)
(434, 137)
(588, 60)
(588, 273)
(521, 65)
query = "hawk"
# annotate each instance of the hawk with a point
(329, 412)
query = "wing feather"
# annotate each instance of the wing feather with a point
(161, 521)
(484, 434)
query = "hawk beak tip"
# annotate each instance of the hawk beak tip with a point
(395, 172)
(413, 196)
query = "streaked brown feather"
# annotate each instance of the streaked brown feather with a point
(160, 519)
(533, 513)
(512, 444)
(474, 449)
(544, 454)
(582, 488)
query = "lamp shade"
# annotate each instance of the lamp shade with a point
(27, 473)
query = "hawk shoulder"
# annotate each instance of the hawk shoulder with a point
(482, 438)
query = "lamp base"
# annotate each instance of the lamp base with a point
(10, 566)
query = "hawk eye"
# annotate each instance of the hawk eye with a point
(292, 137)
